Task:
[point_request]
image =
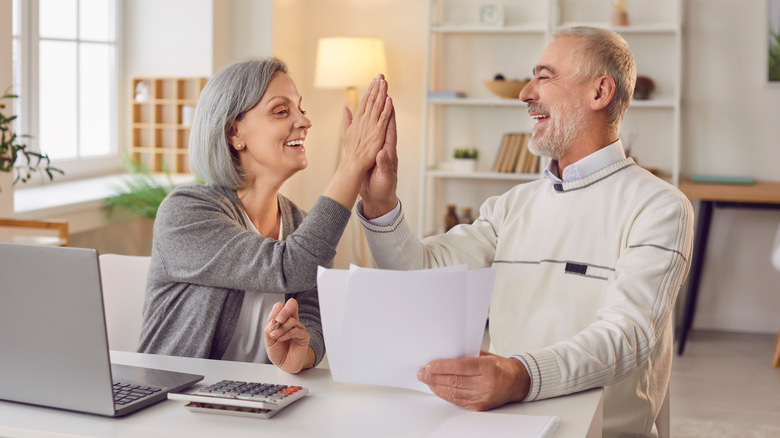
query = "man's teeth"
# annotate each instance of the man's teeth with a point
(294, 143)
(538, 117)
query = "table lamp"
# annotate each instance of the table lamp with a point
(347, 63)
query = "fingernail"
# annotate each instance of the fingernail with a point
(420, 375)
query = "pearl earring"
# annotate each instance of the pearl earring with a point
(239, 146)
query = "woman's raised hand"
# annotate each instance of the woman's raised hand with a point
(363, 134)
(362, 137)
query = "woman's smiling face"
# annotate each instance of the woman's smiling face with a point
(272, 133)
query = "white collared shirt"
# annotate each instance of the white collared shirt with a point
(587, 166)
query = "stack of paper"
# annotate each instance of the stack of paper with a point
(383, 326)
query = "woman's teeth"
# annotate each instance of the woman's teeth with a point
(294, 143)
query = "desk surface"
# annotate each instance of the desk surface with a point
(330, 409)
(760, 192)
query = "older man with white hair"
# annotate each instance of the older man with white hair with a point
(589, 259)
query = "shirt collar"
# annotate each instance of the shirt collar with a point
(587, 166)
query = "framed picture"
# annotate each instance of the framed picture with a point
(773, 48)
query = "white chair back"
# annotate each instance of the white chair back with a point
(124, 286)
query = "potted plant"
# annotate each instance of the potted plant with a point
(141, 193)
(12, 148)
(465, 159)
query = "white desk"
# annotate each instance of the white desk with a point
(330, 410)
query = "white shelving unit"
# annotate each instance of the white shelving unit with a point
(462, 53)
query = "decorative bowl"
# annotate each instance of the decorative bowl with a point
(505, 88)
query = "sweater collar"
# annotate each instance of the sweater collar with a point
(594, 177)
(587, 166)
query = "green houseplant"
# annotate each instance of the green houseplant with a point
(774, 55)
(12, 148)
(141, 193)
(465, 159)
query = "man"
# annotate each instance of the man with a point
(589, 260)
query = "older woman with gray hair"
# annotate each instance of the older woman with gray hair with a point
(234, 263)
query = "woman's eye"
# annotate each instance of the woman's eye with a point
(282, 112)
(303, 112)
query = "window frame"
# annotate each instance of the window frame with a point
(26, 85)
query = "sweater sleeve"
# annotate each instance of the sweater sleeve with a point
(648, 275)
(201, 241)
(396, 247)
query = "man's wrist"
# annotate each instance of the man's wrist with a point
(522, 381)
(373, 210)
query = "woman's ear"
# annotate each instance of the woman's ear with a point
(603, 92)
(235, 138)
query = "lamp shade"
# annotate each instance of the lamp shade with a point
(348, 62)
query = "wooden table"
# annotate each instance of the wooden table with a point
(762, 195)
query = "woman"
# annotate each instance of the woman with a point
(234, 263)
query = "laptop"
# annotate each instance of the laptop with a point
(53, 342)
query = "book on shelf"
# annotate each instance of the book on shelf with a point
(514, 150)
(502, 152)
(445, 94)
(522, 159)
(513, 155)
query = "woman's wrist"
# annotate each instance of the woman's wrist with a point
(309, 359)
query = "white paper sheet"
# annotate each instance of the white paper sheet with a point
(382, 326)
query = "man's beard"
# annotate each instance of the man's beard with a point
(561, 131)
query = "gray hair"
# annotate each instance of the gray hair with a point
(604, 52)
(229, 94)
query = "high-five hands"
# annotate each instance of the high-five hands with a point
(363, 135)
(286, 338)
(379, 185)
(477, 383)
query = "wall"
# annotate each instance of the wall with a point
(730, 127)
(168, 37)
(298, 24)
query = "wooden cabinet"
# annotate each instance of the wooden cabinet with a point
(161, 118)
(464, 49)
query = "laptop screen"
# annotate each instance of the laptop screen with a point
(52, 329)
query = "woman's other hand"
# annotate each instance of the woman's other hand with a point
(286, 338)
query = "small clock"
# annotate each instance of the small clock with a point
(491, 14)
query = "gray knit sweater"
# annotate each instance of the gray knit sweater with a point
(205, 255)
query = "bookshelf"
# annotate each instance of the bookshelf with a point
(162, 109)
(462, 52)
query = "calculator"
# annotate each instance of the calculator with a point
(234, 397)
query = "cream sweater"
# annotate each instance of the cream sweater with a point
(587, 275)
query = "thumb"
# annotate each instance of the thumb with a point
(346, 120)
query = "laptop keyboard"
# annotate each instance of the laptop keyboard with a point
(125, 393)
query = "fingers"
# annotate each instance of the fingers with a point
(466, 366)
(290, 310)
(368, 98)
(295, 332)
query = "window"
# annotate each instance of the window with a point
(65, 72)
